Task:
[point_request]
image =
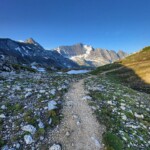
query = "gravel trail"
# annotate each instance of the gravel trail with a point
(79, 129)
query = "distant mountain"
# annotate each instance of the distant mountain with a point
(86, 55)
(30, 52)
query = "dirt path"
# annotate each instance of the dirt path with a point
(79, 129)
(112, 70)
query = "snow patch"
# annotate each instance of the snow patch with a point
(28, 47)
(18, 49)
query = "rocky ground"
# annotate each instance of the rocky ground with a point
(41, 111)
(124, 112)
(30, 106)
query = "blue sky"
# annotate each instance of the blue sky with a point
(110, 24)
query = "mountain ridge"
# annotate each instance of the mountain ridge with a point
(86, 55)
(64, 57)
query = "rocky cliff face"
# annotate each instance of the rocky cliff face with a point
(29, 52)
(86, 55)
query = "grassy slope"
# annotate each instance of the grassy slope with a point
(135, 72)
(117, 105)
(124, 112)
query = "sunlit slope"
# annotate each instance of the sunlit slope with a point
(133, 71)
(140, 63)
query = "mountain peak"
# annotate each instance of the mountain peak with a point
(30, 41)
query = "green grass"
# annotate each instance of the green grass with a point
(20, 67)
(105, 68)
(39, 132)
(113, 103)
(112, 141)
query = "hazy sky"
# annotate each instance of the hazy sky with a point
(111, 24)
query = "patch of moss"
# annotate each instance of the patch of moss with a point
(39, 132)
(29, 118)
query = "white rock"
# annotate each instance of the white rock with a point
(28, 94)
(28, 89)
(124, 117)
(78, 123)
(28, 139)
(2, 116)
(138, 116)
(109, 102)
(124, 138)
(42, 91)
(55, 147)
(67, 133)
(122, 107)
(29, 128)
(53, 91)
(52, 105)
(5, 147)
(41, 138)
(41, 125)
(3, 107)
(97, 144)
(50, 121)
(17, 145)
(86, 98)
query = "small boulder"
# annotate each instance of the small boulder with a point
(28, 94)
(86, 98)
(2, 116)
(29, 128)
(55, 147)
(50, 121)
(3, 107)
(53, 91)
(5, 147)
(40, 124)
(28, 139)
(52, 105)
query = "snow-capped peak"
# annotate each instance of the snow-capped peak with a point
(88, 48)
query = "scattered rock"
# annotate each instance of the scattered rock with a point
(2, 116)
(50, 121)
(78, 123)
(28, 139)
(41, 138)
(3, 107)
(53, 91)
(138, 116)
(40, 124)
(97, 144)
(67, 133)
(52, 105)
(29, 128)
(5, 147)
(55, 147)
(28, 94)
(86, 98)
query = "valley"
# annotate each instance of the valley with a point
(76, 108)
